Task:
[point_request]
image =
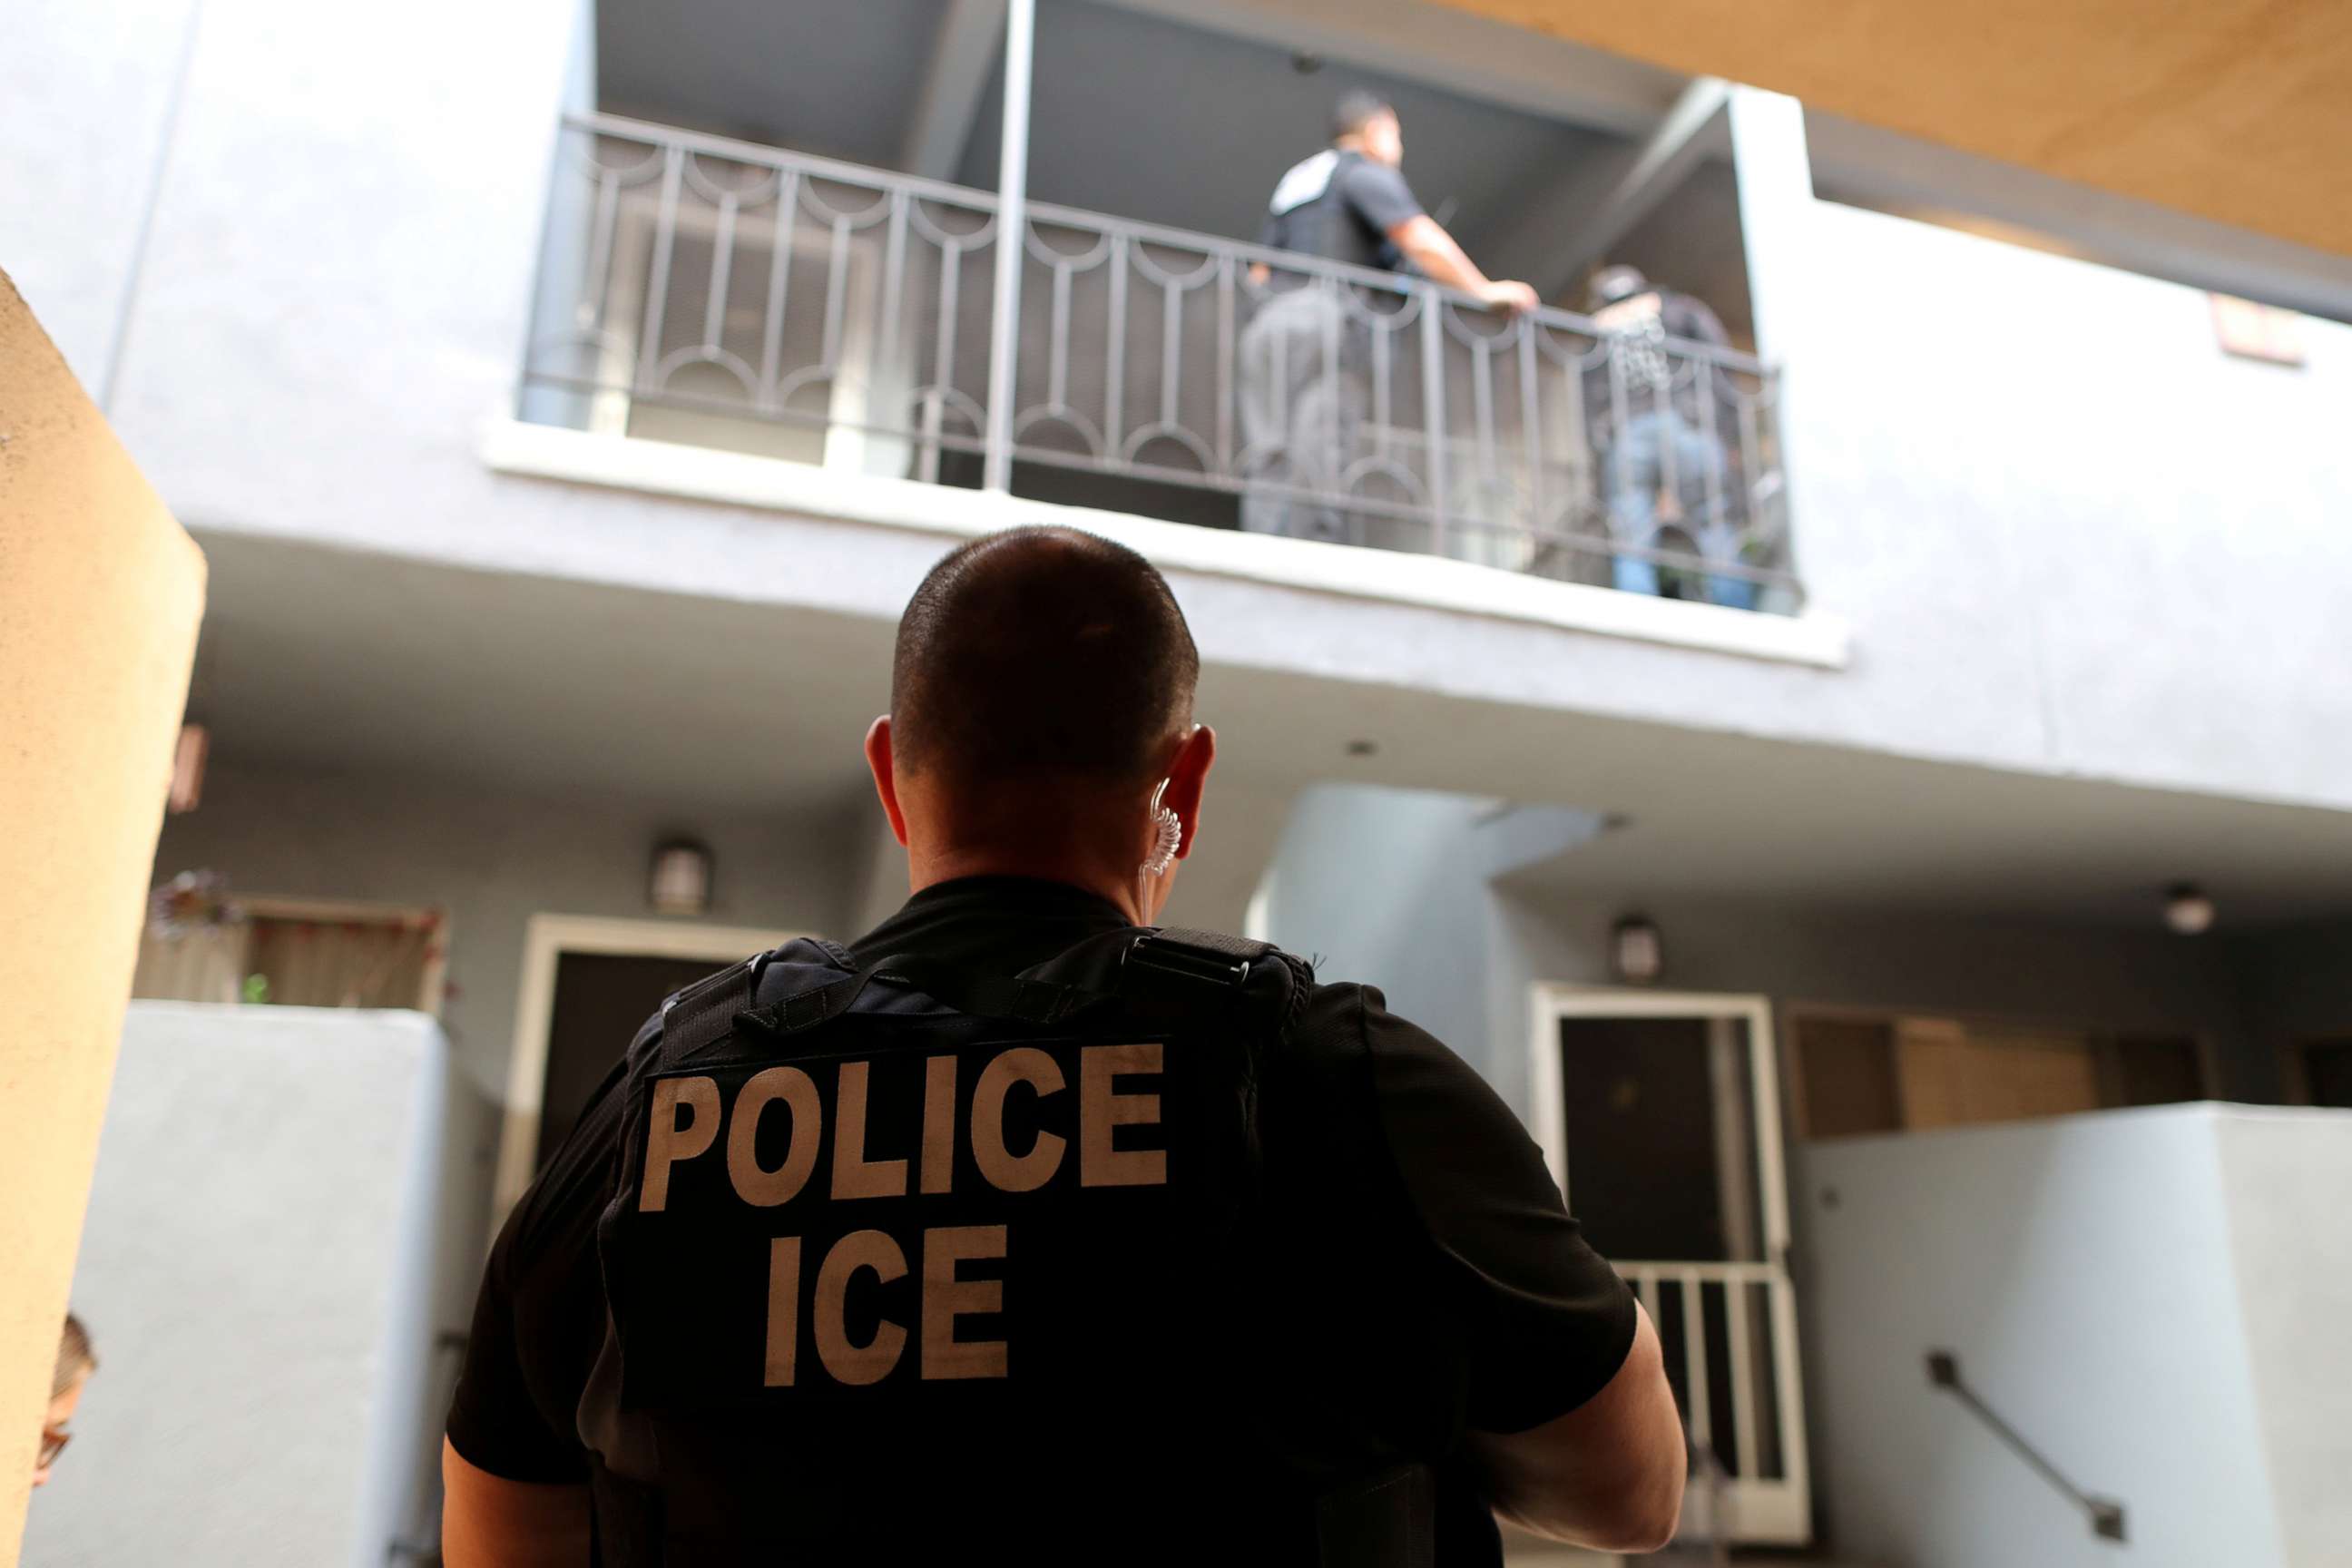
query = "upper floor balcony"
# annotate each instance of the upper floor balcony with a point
(713, 292)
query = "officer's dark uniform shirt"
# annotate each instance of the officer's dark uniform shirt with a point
(1636, 328)
(1640, 365)
(1340, 205)
(1462, 1292)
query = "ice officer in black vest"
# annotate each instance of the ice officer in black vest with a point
(1302, 379)
(1022, 1230)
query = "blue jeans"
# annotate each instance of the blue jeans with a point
(1654, 444)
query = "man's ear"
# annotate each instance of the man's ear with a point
(1188, 776)
(885, 778)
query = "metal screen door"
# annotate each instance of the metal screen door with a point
(1659, 1115)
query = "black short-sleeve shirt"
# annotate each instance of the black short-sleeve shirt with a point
(1406, 1148)
(1341, 205)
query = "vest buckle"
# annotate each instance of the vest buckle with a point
(1172, 955)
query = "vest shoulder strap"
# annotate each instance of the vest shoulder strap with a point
(704, 1012)
(1210, 954)
(1166, 969)
(981, 992)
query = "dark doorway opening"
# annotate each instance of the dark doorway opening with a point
(2328, 1072)
(601, 998)
(1661, 1137)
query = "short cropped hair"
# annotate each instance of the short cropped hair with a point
(1356, 108)
(1040, 653)
(1611, 284)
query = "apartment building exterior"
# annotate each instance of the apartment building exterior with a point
(567, 399)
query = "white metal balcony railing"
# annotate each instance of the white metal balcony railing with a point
(1729, 1331)
(698, 290)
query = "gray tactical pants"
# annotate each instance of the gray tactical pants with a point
(1302, 401)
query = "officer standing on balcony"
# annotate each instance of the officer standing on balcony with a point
(1302, 389)
(1665, 460)
(1022, 1230)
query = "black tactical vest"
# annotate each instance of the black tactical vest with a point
(1314, 215)
(915, 1259)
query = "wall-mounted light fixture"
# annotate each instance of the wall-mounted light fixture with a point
(680, 883)
(2187, 909)
(1636, 952)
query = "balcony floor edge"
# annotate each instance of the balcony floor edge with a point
(510, 445)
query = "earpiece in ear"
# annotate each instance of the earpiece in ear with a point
(1168, 835)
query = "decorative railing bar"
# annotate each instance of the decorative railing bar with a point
(1367, 277)
(1227, 389)
(788, 206)
(1115, 350)
(1696, 1289)
(1432, 414)
(753, 152)
(1699, 1395)
(756, 155)
(1743, 1367)
(834, 305)
(657, 283)
(894, 267)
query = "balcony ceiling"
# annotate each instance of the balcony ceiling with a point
(2210, 143)
(838, 80)
(2231, 109)
(1133, 114)
(1143, 117)
(320, 660)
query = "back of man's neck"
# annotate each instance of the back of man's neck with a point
(930, 868)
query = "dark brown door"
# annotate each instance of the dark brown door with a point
(601, 998)
(1641, 1171)
(2327, 1068)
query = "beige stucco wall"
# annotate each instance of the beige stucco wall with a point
(100, 594)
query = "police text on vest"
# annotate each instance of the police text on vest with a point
(689, 1114)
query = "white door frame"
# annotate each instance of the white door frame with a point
(546, 939)
(1736, 1509)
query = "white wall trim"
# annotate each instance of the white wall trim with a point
(545, 451)
(546, 937)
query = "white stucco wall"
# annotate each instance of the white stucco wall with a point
(256, 1271)
(2070, 535)
(493, 859)
(85, 95)
(2070, 532)
(2120, 1288)
(1339, 841)
(1392, 887)
(2285, 1175)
